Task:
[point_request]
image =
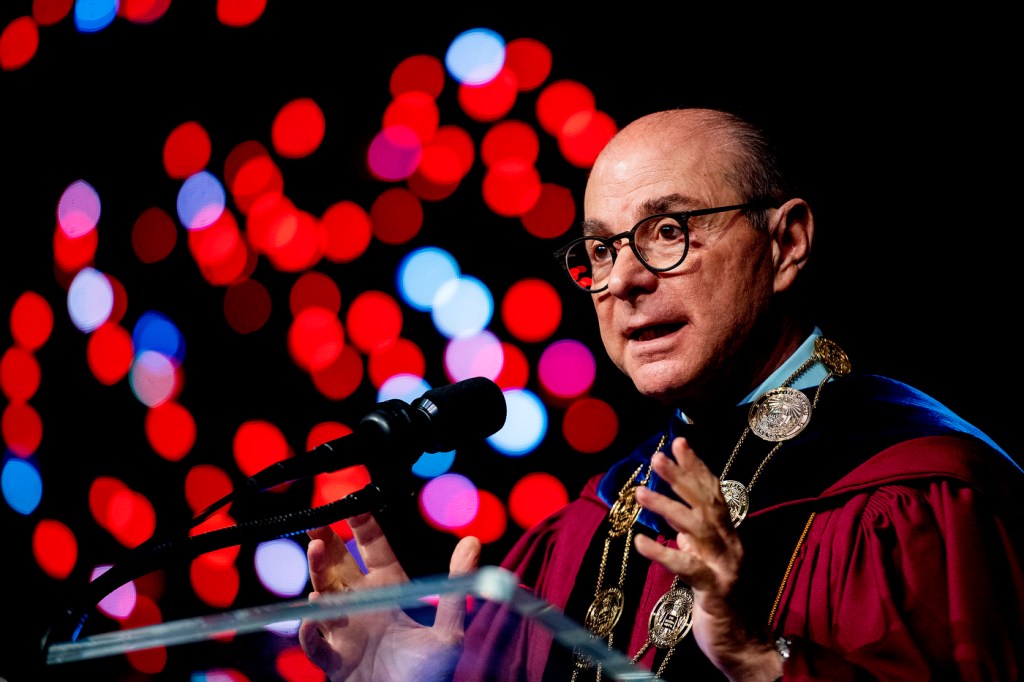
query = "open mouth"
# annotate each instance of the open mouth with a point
(654, 332)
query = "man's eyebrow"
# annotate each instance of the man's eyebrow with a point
(664, 204)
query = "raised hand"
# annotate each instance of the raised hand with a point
(381, 645)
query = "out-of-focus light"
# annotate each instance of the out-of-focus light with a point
(531, 309)
(590, 425)
(490, 521)
(20, 374)
(250, 174)
(154, 235)
(422, 272)
(50, 12)
(402, 356)
(22, 485)
(201, 200)
(553, 214)
(120, 603)
(22, 428)
(257, 445)
(281, 567)
(433, 464)
(71, 255)
(510, 140)
(348, 230)
(559, 101)
(405, 387)
(314, 289)
(535, 497)
(475, 56)
(78, 210)
(247, 306)
(417, 73)
(170, 430)
(511, 187)
(109, 353)
(19, 42)
(316, 338)
(55, 548)
(214, 582)
(397, 216)
(204, 485)
(394, 153)
(489, 101)
(479, 354)
(342, 377)
(584, 135)
(94, 15)
(90, 299)
(515, 370)
(31, 321)
(239, 13)
(153, 378)
(449, 501)
(186, 150)
(530, 61)
(525, 426)
(144, 12)
(415, 110)
(298, 128)
(373, 320)
(155, 331)
(462, 307)
(567, 368)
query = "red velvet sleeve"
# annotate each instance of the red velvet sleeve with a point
(910, 581)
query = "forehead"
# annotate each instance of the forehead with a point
(655, 174)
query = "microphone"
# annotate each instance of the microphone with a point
(440, 420)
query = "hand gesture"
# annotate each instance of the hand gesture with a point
(380, 645)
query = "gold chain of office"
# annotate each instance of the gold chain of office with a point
(777, 415)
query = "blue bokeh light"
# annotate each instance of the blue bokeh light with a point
(422, 272)
(156, 332)
(201, 200)
(475, 56)
(462, 307)
(22, 485)
(525, 426)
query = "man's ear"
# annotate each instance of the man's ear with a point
(791, 230)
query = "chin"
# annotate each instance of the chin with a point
(662, 386)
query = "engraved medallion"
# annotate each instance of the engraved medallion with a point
(736, 497)
(779, 414)
(832, 356)
(671, 618)
(624, 511)
(604, 612)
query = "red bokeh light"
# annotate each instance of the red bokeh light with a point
(31, 321)
(559, 101)
(22, 428)
(314, 289)
(510, 140)
(415, 110)
(531, 309)
(19, 42)
(109, 353)
(492, 100)
(490, 521)
(584, 135)
(553, 214)
(530, 61)
(315, 338)
(402, 356)
(154, 235)
(342, 377)
(418, 73)
(20, 374)
(50, 12)
(348, 231)
(247, 306)
(238, 13)
(258, 444)
(298, 128)
(590, 425)
(535, 497)
(373, 320)
(171, 430)
(511, 187)
(55, 548)
(186, 150)
(397, 216)
(515, 370)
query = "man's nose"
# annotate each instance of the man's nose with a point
(629, 274)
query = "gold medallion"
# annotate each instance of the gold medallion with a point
(604, 612)
(779, 414)
(671, 618)
(832, 356)
(624, 511)
(735, 494)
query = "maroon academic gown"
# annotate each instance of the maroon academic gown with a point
(911, 568)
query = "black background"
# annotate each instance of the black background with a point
(904, 123)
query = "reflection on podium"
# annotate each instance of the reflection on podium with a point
(489, 584)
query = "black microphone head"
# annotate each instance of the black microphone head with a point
(466, 411)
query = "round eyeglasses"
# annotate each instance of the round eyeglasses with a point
(659, 241)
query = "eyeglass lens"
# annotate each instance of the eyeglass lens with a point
(660, 241)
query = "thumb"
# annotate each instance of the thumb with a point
(451, 608)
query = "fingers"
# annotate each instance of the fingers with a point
(314, 644)
(451, 608)
(375, 550)
(331, 566)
